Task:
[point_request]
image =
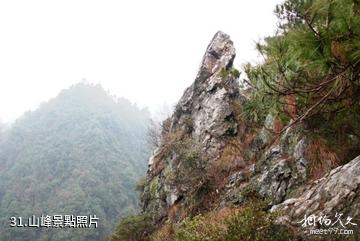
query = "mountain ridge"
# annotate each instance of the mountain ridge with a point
(78, 154)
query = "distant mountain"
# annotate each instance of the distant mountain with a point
(78, 154)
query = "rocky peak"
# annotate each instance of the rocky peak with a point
(220, 53)
(205, 113)
(218, 160)
(206, 104)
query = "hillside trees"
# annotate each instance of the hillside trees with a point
(310, 72)
(78, 154)
(312, 64)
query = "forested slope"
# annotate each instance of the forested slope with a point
(78, 154)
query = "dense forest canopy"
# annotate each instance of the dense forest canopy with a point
(78, 154)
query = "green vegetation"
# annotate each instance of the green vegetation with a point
(133, 228)
(254, 223)
(154, 185)
(79, 154)
(311, 67)
(183, 168)
(310, 73)
(189, 171)
(199, 228)
(250, 222)
(232, 72)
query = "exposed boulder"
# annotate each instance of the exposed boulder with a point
(283, 164)
(336, 192)
(275, 182)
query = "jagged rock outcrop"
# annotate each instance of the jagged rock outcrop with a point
(205, 114)
(207, 142)
(283, 166)
(206, 104)
(280, 165)
(336, 192)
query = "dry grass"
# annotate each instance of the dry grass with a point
(322, 158)
(209, 224)
(338, 50)
(176, 213)
(173, 212)
(232, 156)
(165, 233)
(169, 142)
(277, 126)
(231, 159)
(290, 106)
(217, 218)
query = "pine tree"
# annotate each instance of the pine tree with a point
(313, 60)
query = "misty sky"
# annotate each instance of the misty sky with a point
(145, 50)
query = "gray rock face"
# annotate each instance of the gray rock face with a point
(282, 166)
(220, 53)
(338, 191)
(236, 178)
(205, 112)
(264, 136)
(206, 104)
(275, 182)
